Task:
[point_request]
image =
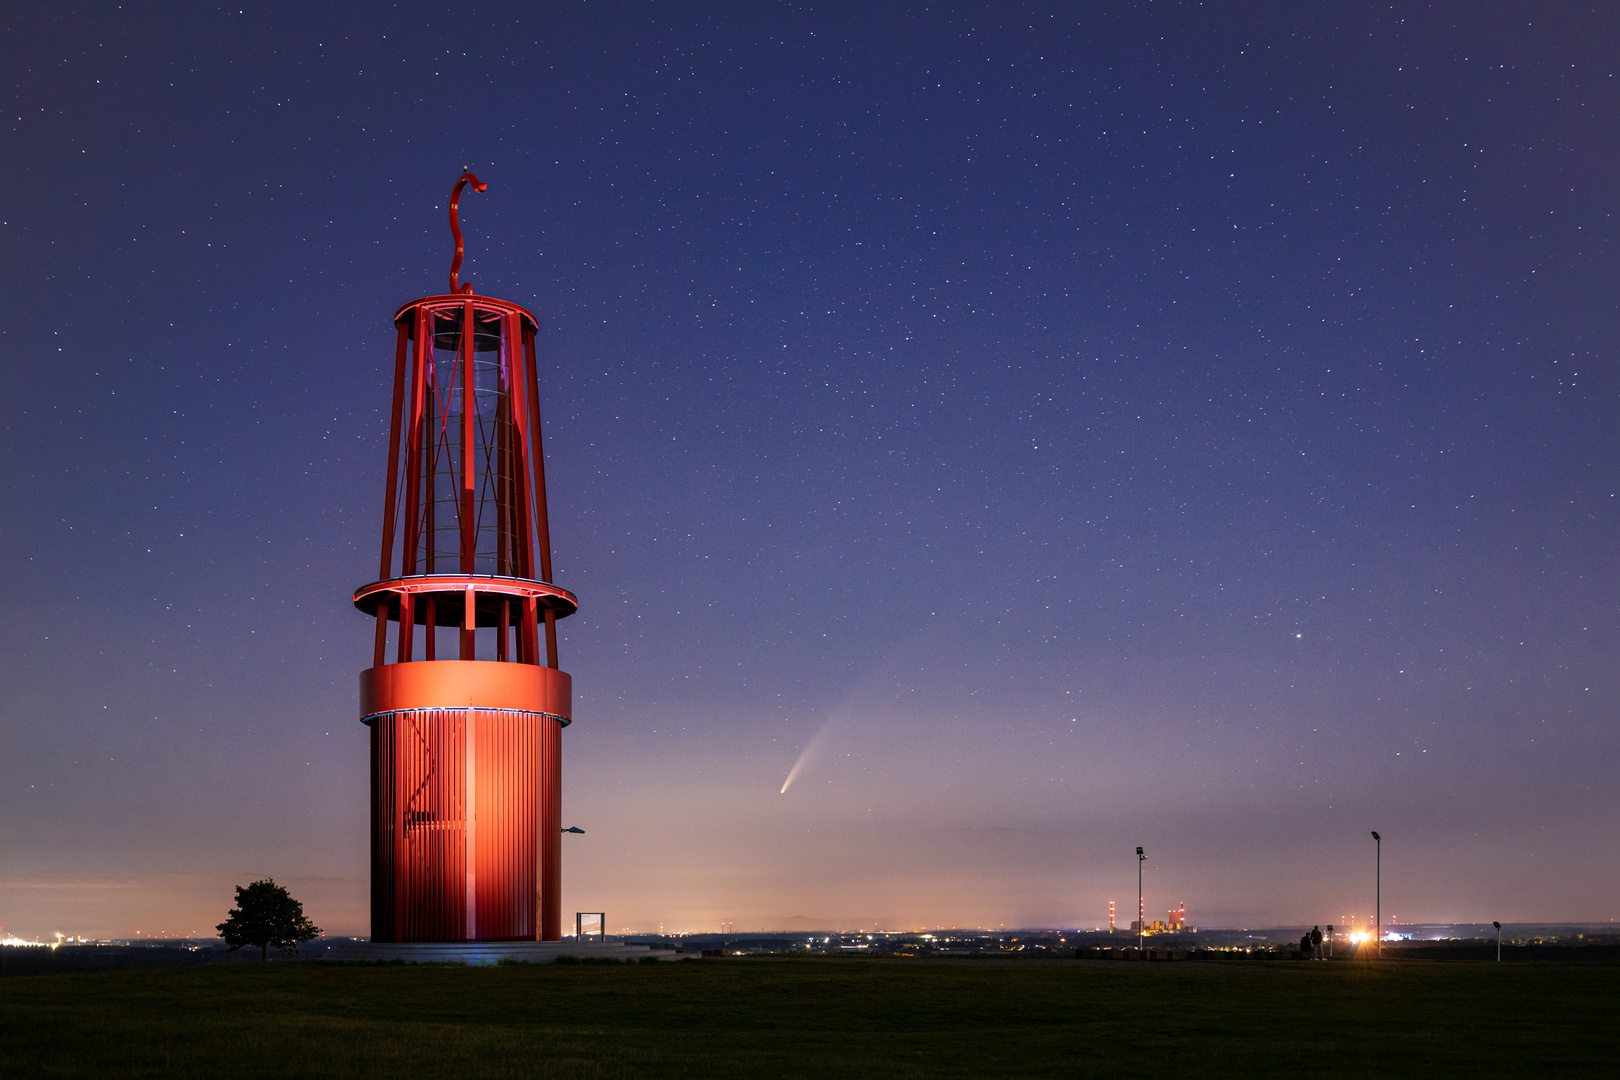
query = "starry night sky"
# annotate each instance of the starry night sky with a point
(1057, 428)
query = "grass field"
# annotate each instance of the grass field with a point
(816, 1018)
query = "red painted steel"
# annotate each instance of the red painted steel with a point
(460, 812)
(465, 753)
(483, 684)
(455, 227)
(447, 588)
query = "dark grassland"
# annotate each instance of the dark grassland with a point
(816, 1018)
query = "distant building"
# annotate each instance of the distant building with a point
(1174, 924)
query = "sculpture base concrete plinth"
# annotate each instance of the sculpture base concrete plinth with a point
(479, 953)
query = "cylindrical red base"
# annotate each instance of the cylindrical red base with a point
(465, 826)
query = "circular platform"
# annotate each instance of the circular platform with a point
(447, 595)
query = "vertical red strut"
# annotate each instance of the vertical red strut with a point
(401, 341)
(542, 526)
(469, 524)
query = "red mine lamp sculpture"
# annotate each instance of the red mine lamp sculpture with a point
(464, 699)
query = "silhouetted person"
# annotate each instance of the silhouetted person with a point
(1316, 942)
(1305, 946)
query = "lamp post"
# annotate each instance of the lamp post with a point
(1330, 941)
(1498, 940)
(1378, 894)
(1141, 910)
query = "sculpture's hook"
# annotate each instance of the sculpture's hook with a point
(455, 227)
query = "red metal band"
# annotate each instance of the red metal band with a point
(476, 684)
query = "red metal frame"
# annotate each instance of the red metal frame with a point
(466, 780)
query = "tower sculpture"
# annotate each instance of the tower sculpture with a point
(464, 698)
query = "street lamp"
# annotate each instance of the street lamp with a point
(1498, 940)
(1141, 909)
(1330, 941)
(1378, 894)
(574, 829)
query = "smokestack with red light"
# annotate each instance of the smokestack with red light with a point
(464, 698)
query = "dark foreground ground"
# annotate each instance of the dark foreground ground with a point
(816, 1018)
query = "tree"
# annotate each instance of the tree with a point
(266, 915)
